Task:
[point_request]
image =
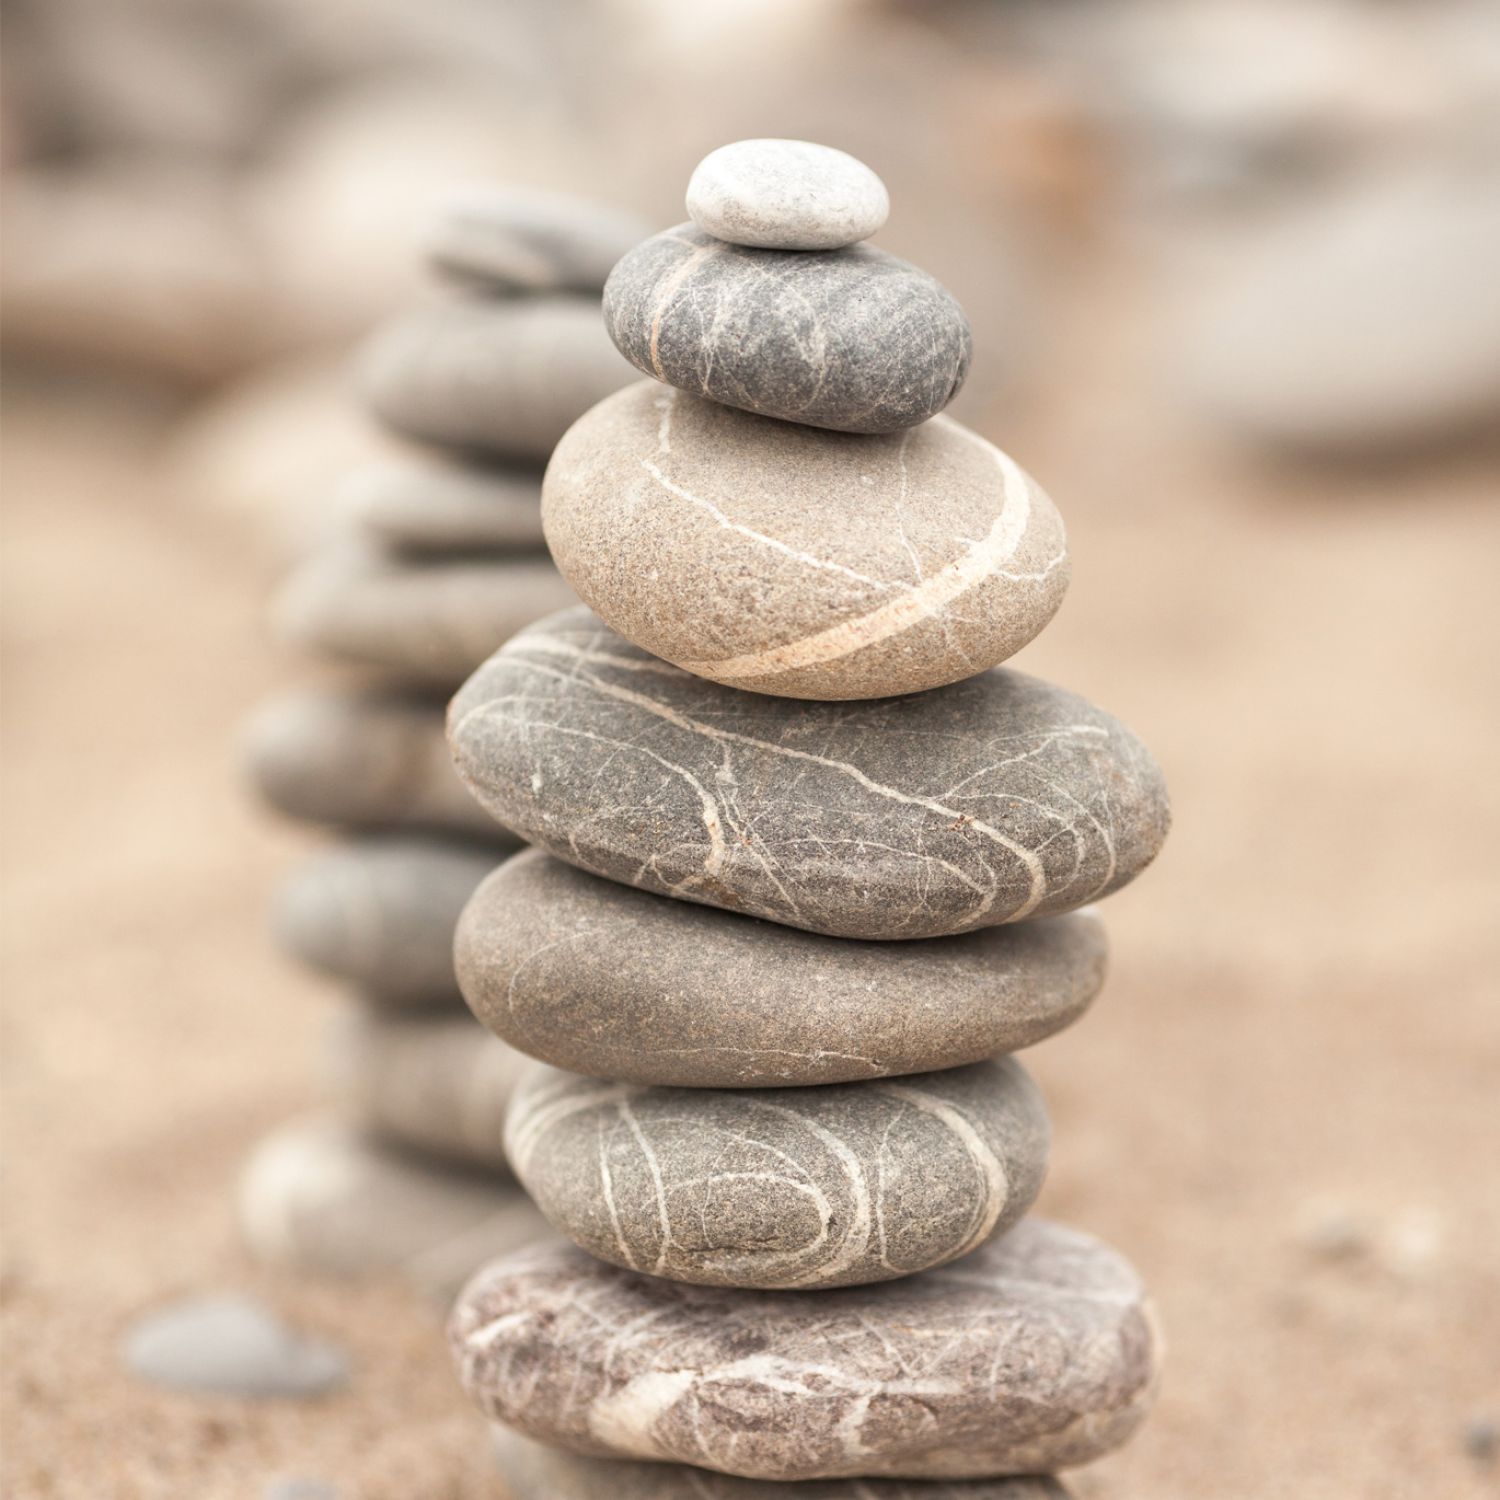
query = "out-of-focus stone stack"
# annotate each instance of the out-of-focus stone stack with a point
(784, 939)
(437, 559)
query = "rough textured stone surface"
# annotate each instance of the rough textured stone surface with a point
(611, 982)
(428, 624)
(230, 1345)
(1035, 1353)
(851, 339)
(532, 1471)
(379, 913)
(436, 509)
(786, 195)
(363, 760)
(439, 1083)
(320, 1196)
(833, 1185)
(985, 802)
(520, 239)
(789, 560)
(505, 377)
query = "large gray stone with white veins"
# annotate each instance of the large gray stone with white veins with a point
(503, 377)
(524, 239)
(611, 982)
(230, 1345)
(379, 913)
(833, 1185)
(363, 760)
(1037, 1352)
(438, 509)
(786, 195)
(854, 339)
(985, 802)
(791, 560)
(533, 1471)
(321, 1196)
(438, 1083)
(430, 623)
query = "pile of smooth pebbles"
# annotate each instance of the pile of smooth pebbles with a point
(809, 867)
(437, 559)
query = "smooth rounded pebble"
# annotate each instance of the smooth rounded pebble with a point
(363, 760)
(380, 913)
(230, 1345)
(320, 1196)
(501, 377)
(523, 239)
(790, 560)
(438, 509)
(439, 1084)
(834, 1185)
(989, 801)
(1037, 1352)
(533, 1471)
(850, 339)
(611, 982)
(786, 195)
(429, 624)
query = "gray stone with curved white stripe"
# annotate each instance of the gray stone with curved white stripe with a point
(1037, 1352)
(988, 801)
(831, 1185)
(805, 563)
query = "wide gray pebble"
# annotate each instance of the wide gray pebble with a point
(852, 339)
(231, 1345)
(838, 1184)
(988, 801)
(611, 982)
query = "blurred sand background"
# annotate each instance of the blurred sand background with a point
(1284, 1106)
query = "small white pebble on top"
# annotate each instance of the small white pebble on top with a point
(786, 195)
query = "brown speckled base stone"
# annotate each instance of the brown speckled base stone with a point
(504, 377)
(532, 1471)
(363, 760)
(835, 1185)
(427, 623)
(440, 1083)
(611, 982)
(854, 339)
(985, 802)
(788, 560)
(379, 913)
(1037, 1352)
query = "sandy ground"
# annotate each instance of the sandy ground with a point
(1284, 1107)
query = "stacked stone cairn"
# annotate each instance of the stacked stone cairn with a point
(436, 558)
(810, 868)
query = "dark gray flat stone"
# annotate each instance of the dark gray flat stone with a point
(989, 801)
(853, 339)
